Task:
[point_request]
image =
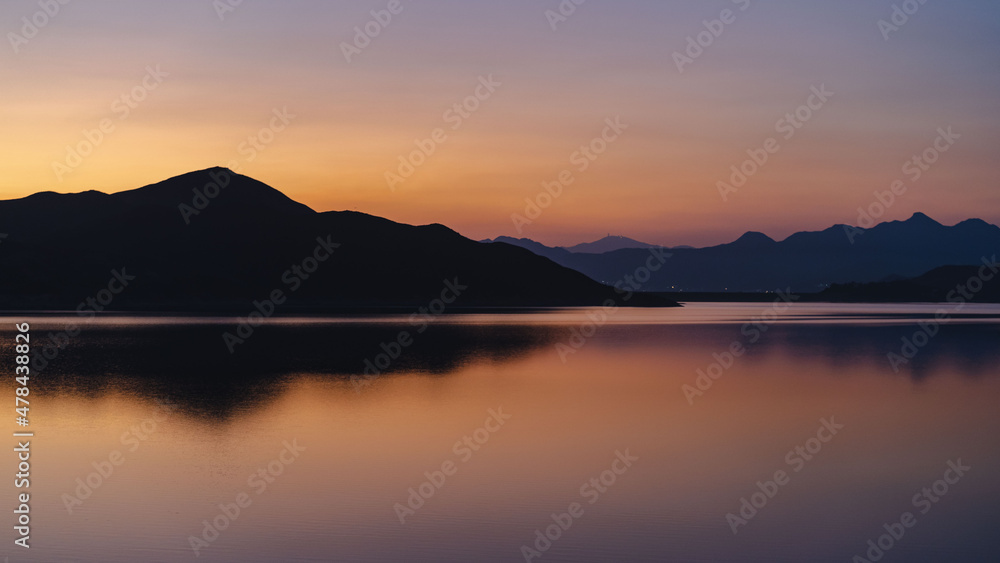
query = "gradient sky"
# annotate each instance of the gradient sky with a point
(658, 182)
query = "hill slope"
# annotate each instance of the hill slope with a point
(955, 284)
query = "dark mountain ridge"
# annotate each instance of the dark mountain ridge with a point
(201, 253)
(947, 284)
(804, 262)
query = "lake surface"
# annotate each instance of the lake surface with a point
(464, 446)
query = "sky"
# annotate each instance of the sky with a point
(642, 124)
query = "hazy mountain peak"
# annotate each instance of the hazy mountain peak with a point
(922, 219)
(609, 243)
(754, 237)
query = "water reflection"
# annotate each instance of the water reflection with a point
(621, 390)
(189, 363)
(186, 361)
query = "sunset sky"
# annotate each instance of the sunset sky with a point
(222, 79)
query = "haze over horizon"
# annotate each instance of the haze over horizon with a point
(338, 127)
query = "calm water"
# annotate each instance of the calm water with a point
(430, 423)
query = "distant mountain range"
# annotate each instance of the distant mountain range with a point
(804, 262)
(609, 243)
(182, 244)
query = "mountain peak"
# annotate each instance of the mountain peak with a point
(216, 187)
(921, 219)
(609, 243)
(754, 237)
(974, 223)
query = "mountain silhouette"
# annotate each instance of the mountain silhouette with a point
(954, 284)
(804, 262)
(214, 240)
(556, 254)
(609, 244)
